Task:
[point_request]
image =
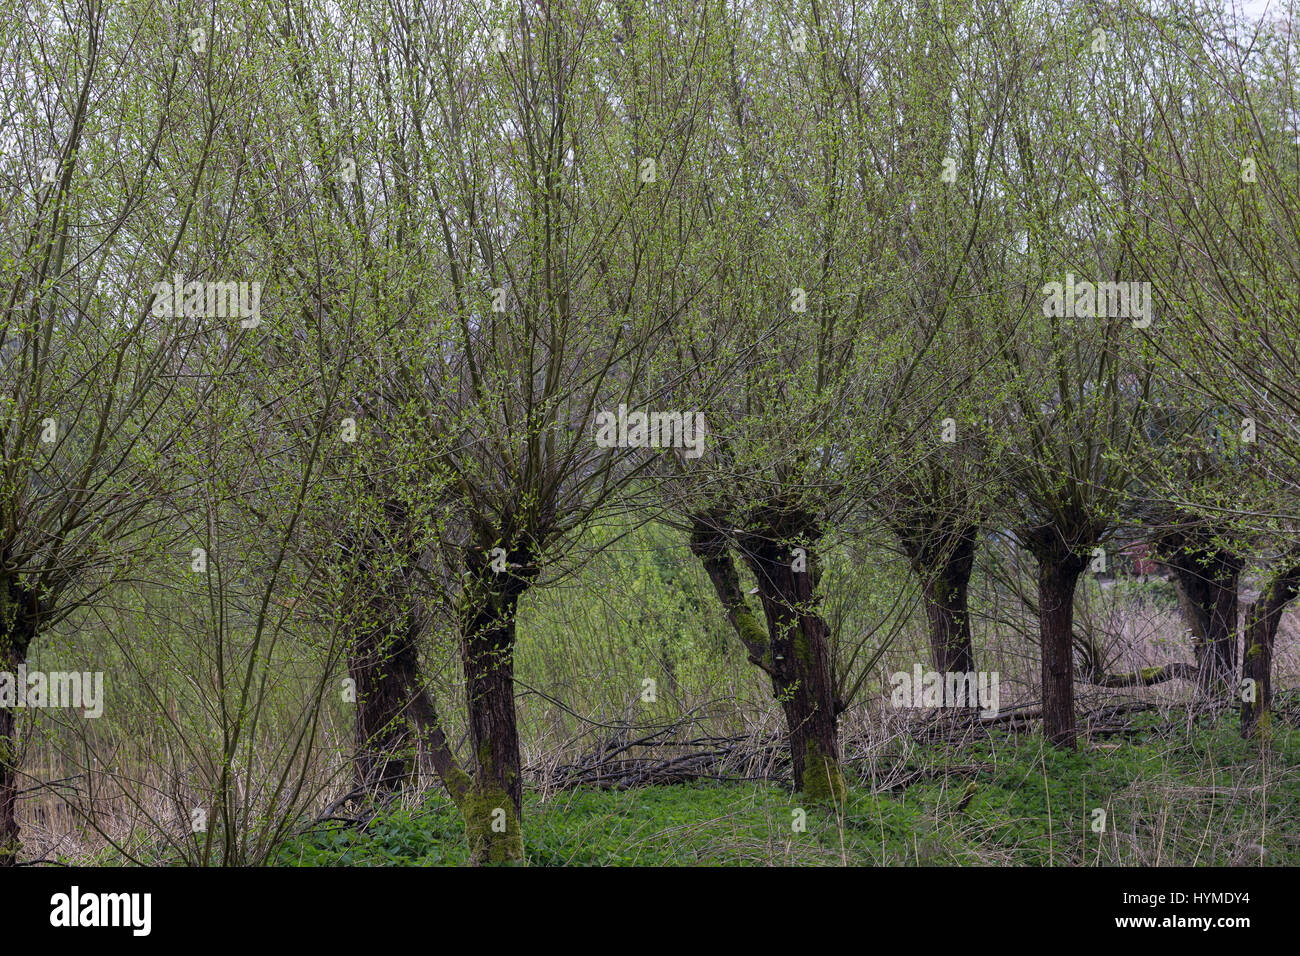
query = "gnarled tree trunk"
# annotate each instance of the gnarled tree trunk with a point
(494, 811)
(390, 713)
(10, 841)
(1219, 661)
(1262, 621)
(794, 649)
(394, 716)
(1208, 580)
(943, 563)
(20, 616)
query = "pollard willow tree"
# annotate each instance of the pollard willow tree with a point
(108, 152)
(815, 345)
(341, 217)
(1224, 195)
(1193, 502)
(1075, 360)
(952, 234)
(537, 238)
(780, 177)
(1192, 507)
(270, 609)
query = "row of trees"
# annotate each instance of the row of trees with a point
(832, 229)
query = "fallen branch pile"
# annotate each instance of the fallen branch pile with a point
(661, 758)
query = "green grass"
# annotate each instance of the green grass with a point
(1204, 797)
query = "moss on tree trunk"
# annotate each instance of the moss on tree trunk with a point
(823, 779)
(493, 828)
(487, 656)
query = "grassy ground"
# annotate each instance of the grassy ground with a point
(1196, 795)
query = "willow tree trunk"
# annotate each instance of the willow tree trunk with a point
(396, 721)
(801, 657)
(494, 811)
(1262, 621)
(794, 648)
(1221, 652)
(799, 648)
(1058, 576)
(945, 577)
(13, 654)
(10, 843)
(383, 662)
(1208, 580)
